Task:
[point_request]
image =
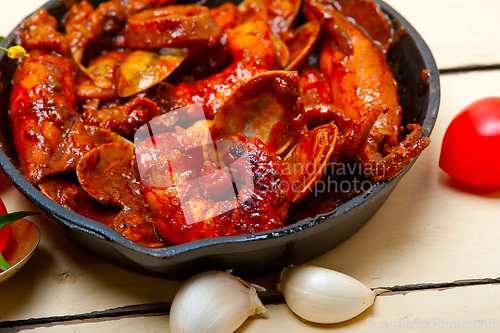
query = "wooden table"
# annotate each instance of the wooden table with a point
(434, 242)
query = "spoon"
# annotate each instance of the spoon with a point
(24, 239)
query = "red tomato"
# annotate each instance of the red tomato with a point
(471, 146)
(5, 231)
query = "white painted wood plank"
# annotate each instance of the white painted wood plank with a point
(473, 308)
(458, 32)
(12, 12)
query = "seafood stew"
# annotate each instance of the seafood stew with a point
(291, 150)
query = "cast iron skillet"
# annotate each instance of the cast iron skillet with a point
(249, 255)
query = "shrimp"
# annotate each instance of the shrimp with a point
(363, 86)
(253, 53)
(184, 213)
(43, 108)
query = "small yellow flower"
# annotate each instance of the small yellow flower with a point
(17, 52)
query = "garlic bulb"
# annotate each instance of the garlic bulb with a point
(213, 301)
(324, 296)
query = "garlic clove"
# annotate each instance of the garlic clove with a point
(322, 295)
(213, 302)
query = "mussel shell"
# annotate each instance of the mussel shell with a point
(103, 172)
(74, 197)
(302, 44)
(267, 106)
(307, 161)
(143, 69)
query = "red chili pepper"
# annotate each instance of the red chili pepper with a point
(5, 231)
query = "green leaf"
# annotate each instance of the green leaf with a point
(3, 264)
(13, 217)
(1, 39)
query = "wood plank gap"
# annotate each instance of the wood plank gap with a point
(471, 68)
(22, 328)
(164, 308)
(442, 285)
(130, 310)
